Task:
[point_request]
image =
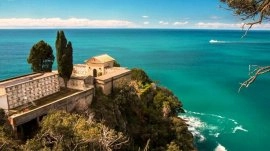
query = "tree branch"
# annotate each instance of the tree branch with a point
(252, 12)
(259, 71)
(250, 24)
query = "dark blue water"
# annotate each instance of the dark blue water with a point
(205, 76)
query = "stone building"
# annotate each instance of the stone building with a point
(29, 90)
(104, 74)
(23, 90)
(99, 65)
(23, 98)
(81, 70)
(112, 79)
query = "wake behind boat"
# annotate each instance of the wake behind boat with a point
(215, 41)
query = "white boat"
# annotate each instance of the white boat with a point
(213, 41)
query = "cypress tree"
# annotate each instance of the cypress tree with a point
(64, 56)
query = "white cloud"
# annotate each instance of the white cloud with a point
(146, 23)
(64, 23)
(163, 23)
(215, 17)
(218, 25)
(262, 26)
(145, 16)
(180, 23)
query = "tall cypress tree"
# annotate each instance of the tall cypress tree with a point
(64, 52)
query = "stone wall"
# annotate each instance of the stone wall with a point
(78, 83)
(25, 90)
(75, 102)
(107, 85)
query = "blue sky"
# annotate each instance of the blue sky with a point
(116, 14)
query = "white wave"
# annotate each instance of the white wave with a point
(214, 115)
(239, 128)
(216, 41)
(217, 134)
(220, 148)
(204, 125)
(212, 127)
(195, 126)
(234, 121)
(198, 113)
(201, 138)
(193, 121)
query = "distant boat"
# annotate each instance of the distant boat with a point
(215, 41)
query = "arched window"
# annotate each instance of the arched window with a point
(94, 73)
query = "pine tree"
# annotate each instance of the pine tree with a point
(41, 57)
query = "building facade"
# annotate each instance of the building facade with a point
(81, 70)
(104, 74)
(26, 89)
(99, 65)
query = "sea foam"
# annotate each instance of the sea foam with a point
(205, 126)
(240, 128)
(220, 148)
(195, 126)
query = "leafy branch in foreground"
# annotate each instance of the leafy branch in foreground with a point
(253, 75)
(252, 11)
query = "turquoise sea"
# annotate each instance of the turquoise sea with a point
(205, 76)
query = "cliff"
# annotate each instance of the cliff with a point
(138, 115)
(146, 113)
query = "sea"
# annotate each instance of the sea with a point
(204, 69)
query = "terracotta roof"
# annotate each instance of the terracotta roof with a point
(101, 59)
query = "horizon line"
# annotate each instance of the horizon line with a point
(164, 28)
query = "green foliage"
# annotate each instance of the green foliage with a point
(243, 6)
(166, 102)
(64, 131)
(253, 11)
(173, 147)
(64, 56)
(6, 136)
(6, 129)
(140, 76)
(41, 57)
(3, 117)
(116, 64)
(141, 116)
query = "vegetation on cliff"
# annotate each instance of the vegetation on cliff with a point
(65, 131)
(138, 115)
(145, 113)
(7, 141)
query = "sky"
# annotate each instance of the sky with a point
(182, 14)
